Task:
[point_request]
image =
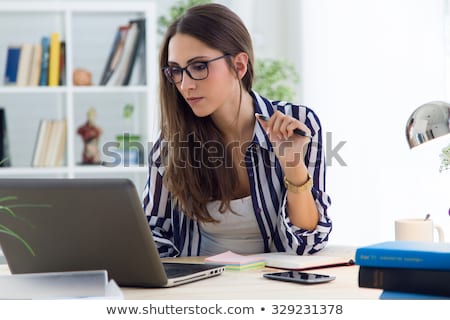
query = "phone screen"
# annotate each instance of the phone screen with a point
(300, 277)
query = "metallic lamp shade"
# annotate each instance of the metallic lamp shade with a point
(429, 121)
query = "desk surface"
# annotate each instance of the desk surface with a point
(251, 284)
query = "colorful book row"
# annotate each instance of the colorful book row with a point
(36, 64)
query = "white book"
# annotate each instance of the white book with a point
(39, 148)
(35, 66)
(23, 73)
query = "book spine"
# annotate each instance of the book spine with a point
(12, 65)
(53, 68)
(62, 64)
(423, 281)
(23, 73)
(138, 47)
(4, 142)
(36, 63)
(43, 79)
(373, 257)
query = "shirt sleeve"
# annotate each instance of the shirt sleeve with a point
(157, 205)
(303, 241)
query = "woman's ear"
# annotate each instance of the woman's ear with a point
(240, 62)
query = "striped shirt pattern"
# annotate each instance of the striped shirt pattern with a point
(176, 234)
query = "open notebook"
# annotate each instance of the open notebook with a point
(86, 224)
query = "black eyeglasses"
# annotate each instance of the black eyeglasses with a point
(195, 70)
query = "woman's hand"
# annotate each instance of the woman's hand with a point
(289, 147)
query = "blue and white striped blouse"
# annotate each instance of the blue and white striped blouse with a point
(178, 235)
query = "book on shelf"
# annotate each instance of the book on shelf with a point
(12, 65)
(23, 73)
(43, 77)
(405, 254)
(137, 53)
(5, 160)
(62, 63)
(54, 56)
(35, 67)
(115, 54)
(419, 281)
(118, 76)
(236, 262)
(50, 143)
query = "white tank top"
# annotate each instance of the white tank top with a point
(238, 232)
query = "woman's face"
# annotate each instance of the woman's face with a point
(208, 95)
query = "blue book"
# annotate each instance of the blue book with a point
(43, 79)
(420, 281)
(397, 295)
(405, 254)
(12, 65)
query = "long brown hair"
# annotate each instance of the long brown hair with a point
(193, 175)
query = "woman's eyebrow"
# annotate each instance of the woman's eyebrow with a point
(173, 63)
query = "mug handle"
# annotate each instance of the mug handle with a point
(440, 233)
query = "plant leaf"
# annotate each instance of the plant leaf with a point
(9, 232)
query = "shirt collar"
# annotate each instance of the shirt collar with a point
(262, 106)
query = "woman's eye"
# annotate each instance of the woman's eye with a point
(199, 66)
(175, 72)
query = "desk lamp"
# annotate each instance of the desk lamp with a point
(430, 121)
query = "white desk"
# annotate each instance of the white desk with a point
(251, 285)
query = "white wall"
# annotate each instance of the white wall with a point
(365, 66)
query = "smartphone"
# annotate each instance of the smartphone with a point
(299, 277)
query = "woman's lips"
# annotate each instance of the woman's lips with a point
(194, 100)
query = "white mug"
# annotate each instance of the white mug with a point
(417, 230)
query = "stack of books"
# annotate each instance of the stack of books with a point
(236, 262)
(406, 269)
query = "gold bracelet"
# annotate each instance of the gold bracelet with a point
(298, 188)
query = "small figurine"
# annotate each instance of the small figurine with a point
(90, 134)
(82, 77)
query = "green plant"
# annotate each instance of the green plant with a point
(445, 159)
(8, 209)
(273, 77)
(175, 11)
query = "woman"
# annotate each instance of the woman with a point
(219, 178)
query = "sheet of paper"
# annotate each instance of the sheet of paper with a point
(58, 285)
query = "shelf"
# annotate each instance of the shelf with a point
(88, 29)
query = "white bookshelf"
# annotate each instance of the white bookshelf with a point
(88, 28)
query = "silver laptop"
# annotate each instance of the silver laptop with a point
(86, 224)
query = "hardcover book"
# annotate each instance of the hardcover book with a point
(43, 77)
(54, 56)
(4, 142)
(418, 281)
(405, 254)
(12, 65)
(396, 295)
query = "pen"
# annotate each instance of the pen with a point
(296, 130)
